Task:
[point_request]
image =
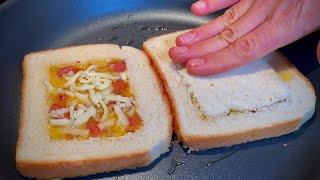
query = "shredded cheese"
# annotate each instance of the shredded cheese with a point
(74, 131)
(83, 118)
(59, 113)
(105, 111)
(84, 87)
(60, 122)
(106, 124)
(107, 91)
(94, 97)
(73, 79)
(123, 76)
(49, 86)
(117, 98)
(91, 90)
(84, 98)
(106, 84)
(123, 120)
(73, 104)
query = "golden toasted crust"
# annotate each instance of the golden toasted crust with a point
(206, 142)
(49, 170)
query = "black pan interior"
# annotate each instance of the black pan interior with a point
(28, 26)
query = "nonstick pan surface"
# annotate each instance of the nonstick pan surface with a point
(33, 25)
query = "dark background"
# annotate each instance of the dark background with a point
(32, 25)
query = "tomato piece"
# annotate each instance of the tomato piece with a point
(93, 127)
(119, 66)
(58, 105)
(65, 70)
(67, 115)
(62, 96)
(120, 87)
(111, 104)
(134, 123)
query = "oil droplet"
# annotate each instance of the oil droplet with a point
(174, 164)
(189, 151)
(220, 158)
(161, 28)
(124, 25)
(144, 28)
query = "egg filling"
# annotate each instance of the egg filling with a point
(90, 100)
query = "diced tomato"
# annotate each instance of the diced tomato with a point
(65, 70)
(56, 106)
(134, 123)
(120, 87)
(93, 127)
(67, 115)
(111, 104)
(62, 96)
(119, 66)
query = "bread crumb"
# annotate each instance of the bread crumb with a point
(285, 145)
(189, 151)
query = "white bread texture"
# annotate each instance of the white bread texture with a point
(266, 98)
(39, 157)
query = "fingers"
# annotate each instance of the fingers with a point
(215, 26)
(204, 7)
(249, 21)
(243, 51)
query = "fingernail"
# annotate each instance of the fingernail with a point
(180, 49)
(200, 5)
(187, 37)
(196, 62)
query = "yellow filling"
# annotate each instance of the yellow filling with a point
(285, 75)
(56, 99)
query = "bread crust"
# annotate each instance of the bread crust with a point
(206, 142)
(68, 169)
(164, 96)
(22, 108)
(167, 92)
(87, 166)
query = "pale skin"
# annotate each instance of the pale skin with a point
(248, 30)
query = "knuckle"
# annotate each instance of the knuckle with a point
(230, 16)
(243, 48)
(228, 35)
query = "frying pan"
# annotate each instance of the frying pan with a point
(28, 26)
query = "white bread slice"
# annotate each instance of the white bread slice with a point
(200, 127)
(37, 156)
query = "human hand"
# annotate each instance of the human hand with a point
(247, 31)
